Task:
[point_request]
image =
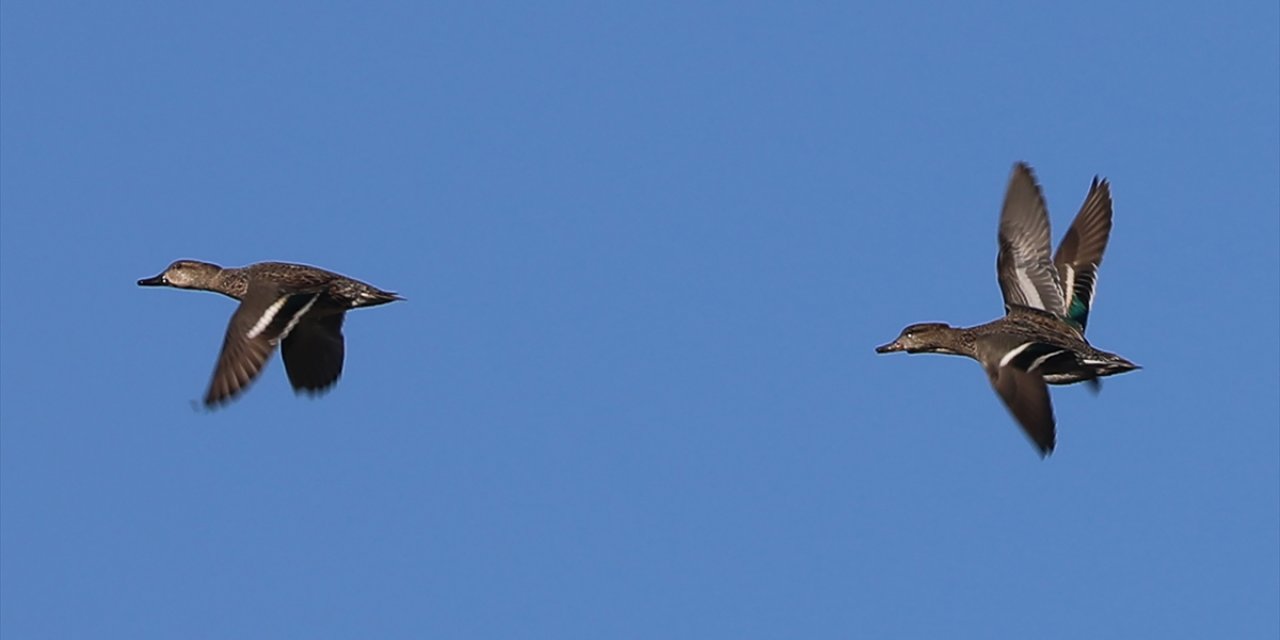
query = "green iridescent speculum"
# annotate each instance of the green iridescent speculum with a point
(1078, 312)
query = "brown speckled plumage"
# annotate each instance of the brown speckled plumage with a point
(1040, 340)
(298, 307)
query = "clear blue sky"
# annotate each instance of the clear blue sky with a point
(647, 253)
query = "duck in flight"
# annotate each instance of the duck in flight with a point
(298, 307)
(1040, 340)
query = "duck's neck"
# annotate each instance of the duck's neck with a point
(957, 341)
(231, 282)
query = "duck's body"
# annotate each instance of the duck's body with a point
(1021, 353)
(1040, 340)
(1034, 339)
(299, 307)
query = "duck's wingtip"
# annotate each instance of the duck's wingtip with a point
(1045, 450)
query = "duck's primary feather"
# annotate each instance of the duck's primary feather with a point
(1024, 269)
(1080, 253)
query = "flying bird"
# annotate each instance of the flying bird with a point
(298, 307)
(1040, 340)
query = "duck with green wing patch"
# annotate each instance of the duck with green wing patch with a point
(1040, 340)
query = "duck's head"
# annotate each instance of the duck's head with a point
(184, 274)
(925, 337)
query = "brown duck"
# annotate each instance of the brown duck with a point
(298, 307)
(1040, 340)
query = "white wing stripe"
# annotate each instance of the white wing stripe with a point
(1013, 353)
(1028, 288)
(1039, 361)
(297, 317)
(1068, 287)
(267, 317)
(270, 314)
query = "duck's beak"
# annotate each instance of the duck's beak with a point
(889, 348)
(157, 281)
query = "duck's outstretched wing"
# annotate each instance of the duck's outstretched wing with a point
(1016, 369)
(313, 353)
(1080, 253)
(1027, 397)
(265, 317)
(1027, 276)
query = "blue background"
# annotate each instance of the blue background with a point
(647, 251)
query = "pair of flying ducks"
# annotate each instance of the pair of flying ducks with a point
(1039, 341)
